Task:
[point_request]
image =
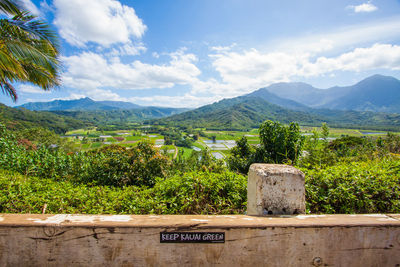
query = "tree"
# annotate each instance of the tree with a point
(242, 156)
(279, 143)
(28, 50)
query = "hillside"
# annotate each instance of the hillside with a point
(247, 112)
(238, 113)
(120, 117)
(21, 118)
(78, 104)
(264, 94)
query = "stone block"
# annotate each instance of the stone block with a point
(275, 189)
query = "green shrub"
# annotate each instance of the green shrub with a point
(357, 187)
(111, 165)
(201, 193)
(191, 193)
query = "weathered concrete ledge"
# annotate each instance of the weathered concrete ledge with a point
(124, 240)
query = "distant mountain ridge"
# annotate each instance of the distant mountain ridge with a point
(247, 112)
(119, 117)
(367, 103)
(376, 93)
(338, 106)
(78, 104)
(265, 94)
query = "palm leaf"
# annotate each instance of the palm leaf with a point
(9, 90)
(29, 50)
(10, 7)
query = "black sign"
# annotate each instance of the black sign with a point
(192, 237)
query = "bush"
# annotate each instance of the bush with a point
(358, 187)
(117, 166)
(112, 165)
(191, 193)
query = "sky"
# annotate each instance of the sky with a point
(184, 53)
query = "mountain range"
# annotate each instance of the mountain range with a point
(79, 104)
(376, 93)
(373, 102)
(286, 102)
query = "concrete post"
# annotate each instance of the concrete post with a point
(275, 189)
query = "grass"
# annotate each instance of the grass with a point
(199, 145)
(133, 138)
(220, 135)
(96, 145)
(186, 151)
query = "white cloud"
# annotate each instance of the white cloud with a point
(246, 71)
(186, 100)
(95, 94)
(90, 71)
(72, 96)
(31, 7)
(223, 48)
(104, 22)
(378, 56)
(252, 69)
(341, 38)
(31, 89)
(365, 7)
(99, 94)
(127, 50)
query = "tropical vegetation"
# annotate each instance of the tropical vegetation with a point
(346, 175)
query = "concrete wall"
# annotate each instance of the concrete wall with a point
(123, 240)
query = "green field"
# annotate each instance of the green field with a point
(92, 140)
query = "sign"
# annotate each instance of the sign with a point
(192, 237)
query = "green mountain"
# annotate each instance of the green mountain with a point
(265, 94)
(238, 113)
(79, 104)
(120, 117)
(248, 112)
(21, 118)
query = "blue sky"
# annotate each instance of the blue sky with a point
(189, 53)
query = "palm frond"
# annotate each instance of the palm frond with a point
(29, 51)
(35, 28)
(10, 7)
(9, 90)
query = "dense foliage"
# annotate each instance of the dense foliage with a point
(278, 144)
(191, 193)
(112, 165)
(371, 186)
(347, 175)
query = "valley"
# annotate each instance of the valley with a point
(123, 158)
